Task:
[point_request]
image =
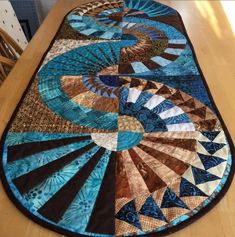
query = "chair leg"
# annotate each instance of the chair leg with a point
(2, 70)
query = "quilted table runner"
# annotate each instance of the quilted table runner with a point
(117, 133)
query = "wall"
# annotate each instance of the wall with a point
(31, 13)
(10, 24)
(27, 14)
(44, 6)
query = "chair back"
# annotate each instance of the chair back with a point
(9, 53)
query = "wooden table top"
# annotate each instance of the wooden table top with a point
(213, 38)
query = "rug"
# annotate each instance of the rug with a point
(117, 133)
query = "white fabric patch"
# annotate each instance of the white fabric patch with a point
(174, 51)
(171, 112)
(181, 127)
(154, 101)
(161, 61)
(133, 95)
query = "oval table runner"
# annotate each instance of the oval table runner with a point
(117, 133)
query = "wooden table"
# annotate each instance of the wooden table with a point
(214, 42)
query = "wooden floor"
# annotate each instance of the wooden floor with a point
(214, 42)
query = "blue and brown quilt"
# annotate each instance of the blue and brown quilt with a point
(117, 133)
